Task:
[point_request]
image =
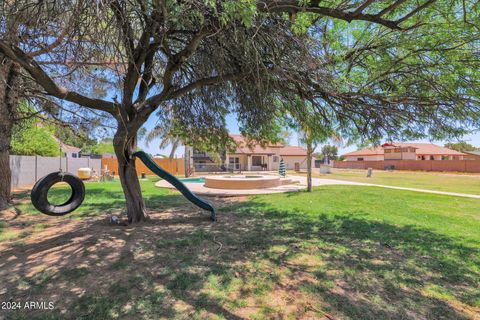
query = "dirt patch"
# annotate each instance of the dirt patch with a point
(181, 265)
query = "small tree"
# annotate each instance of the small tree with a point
(329, 152)
(302, 117)
(311, 140)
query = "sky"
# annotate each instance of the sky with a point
(232, 126)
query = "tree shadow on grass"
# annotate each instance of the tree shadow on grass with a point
(180, 265)
(100, 201)
(376, 270)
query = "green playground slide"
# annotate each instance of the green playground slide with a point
(150, 163)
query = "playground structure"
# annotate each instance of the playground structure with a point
(39, 194)
(150, 163)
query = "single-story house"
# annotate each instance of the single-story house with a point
(405, 151)
(254, 157)
(472, 155)
(70, 151)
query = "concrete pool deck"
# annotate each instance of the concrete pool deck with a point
(200, 189)
(299, 183)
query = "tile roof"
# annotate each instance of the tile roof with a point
(274, 148)
(293, 151)
(68, 148)
(373, 151)
(476, 153)
(422, 149)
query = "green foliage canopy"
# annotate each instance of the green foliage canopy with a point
(461, 146)
(30, 140)
(330, 152)
(102, 147)
(32, 135)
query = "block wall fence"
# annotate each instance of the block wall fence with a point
(472, 166)
(26, 170)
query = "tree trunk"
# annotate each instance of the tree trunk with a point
(223, 160)
(5, 179)
(124, 149)
(9, 78)
(309, 166)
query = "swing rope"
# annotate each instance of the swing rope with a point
(61, 173)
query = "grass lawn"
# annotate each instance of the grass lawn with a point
(450, 182)
(341, 252)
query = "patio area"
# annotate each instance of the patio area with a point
(297, 183)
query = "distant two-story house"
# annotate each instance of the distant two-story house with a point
(405, 151)
(252, 157)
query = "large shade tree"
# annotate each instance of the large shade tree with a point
(402, 67)
(54, 27)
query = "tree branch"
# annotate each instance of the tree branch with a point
(59, 40)
(151, 104)
(177, 60)
(419, 8)
(293, 6)
(362, 7)
(390, 7)
(51, 88)
(203, 83)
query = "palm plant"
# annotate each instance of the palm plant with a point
(167, 137)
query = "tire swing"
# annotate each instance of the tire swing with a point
(39, 194)
(40, 190)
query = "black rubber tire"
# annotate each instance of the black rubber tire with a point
(39, 194)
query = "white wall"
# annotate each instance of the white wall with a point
(71, 154)
(409, 156)
(274, 165)
(291, 160)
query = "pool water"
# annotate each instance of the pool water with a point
(194, 180)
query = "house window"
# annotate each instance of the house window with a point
(388, 150)
(432, 158)
(275, 158)
(234, 163)
(359, 159)
(74, 155)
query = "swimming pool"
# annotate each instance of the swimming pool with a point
(194, 180)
